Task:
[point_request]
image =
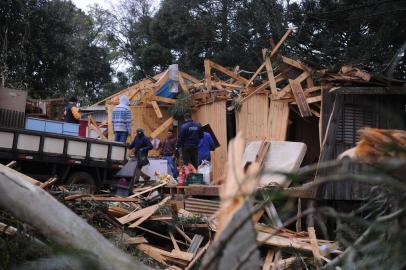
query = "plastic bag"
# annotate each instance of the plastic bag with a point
(205, 169)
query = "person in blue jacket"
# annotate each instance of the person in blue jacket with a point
(205, 146)
(189, 138)
(140, 147)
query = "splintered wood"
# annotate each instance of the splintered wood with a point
(237, 185)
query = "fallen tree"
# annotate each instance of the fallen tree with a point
(37, 208)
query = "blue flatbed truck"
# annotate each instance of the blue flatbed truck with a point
(74, 160)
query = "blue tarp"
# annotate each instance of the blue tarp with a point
(164, 91)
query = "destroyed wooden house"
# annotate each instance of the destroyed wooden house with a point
(290, 115)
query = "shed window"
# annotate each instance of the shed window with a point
(353, 118)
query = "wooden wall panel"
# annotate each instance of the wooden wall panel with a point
(215, 115)
(252, 119)
(278, 120)
(142, 117)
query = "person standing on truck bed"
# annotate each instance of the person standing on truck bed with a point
(71, 112)
(188, 140)
(140, 147)
(121, 120)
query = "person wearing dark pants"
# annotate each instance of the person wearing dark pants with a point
(188, 140)
(140, 146)
(167, 152)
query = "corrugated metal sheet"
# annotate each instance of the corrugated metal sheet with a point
(12, 119)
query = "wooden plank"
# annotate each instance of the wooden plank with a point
(162, 128)
(293, 63)
(134, 240)
(312, 89)
(183, 84)
(183, 234)
(110, 133)
(207, 74)
(152, 252)
(228, 72)
(104, 199)
(175, 245)
(142, 219)
(252, 118)
(302, 77)
(196, 242)
(12, 164)
(160, 218)
(156, 109)
(300, 98)
(48, 183)
(269, 70)
(255, 74)
(281, 41)
(189, 77)
(198, 256)
(257, 216)
(181, 255)
(315, 247)
(278, 120)
(141, 213)
(163, 99)
(160, 235)
(215, 115)
(117, 212)
(282, 242)
(268, 260)
(93, 125)
(202, 190)
(161, 81)
(258, 89)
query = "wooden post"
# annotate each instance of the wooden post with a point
(271, 77)
(207, 74)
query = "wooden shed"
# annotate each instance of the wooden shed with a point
(345, 111)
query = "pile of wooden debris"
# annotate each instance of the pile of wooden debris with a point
(154, 221)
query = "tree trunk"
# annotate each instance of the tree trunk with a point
(36, 207)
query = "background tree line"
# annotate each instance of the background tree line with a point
(54, 49)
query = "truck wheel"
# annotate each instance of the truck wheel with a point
(84, 179)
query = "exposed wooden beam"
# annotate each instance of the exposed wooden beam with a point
(189, 77)
(163, 99)
(207, 74)
(255, 74)
(228, 72)
(269, 70)
(162, 128)
(297, 91)
(281, 41)
(182, 83)
(258, 89)
(156, 109)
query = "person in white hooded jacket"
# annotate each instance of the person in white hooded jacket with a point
(121, 120)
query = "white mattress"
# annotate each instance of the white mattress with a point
(282, 156)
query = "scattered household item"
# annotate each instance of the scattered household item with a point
(282, 156)
(205, 170)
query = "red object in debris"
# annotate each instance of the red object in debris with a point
(184, 171)
(82, 128)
